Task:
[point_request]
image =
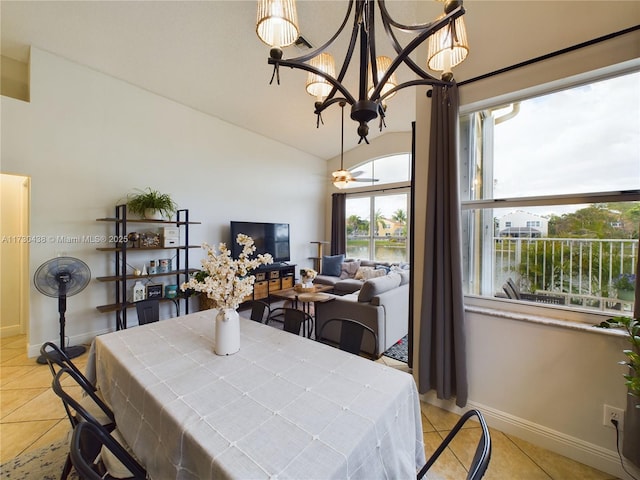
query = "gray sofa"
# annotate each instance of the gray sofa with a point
(345, 281)
(382, 304)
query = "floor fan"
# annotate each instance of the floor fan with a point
(62, 277)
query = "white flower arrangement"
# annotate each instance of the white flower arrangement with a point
(308, 274)
(225, 280)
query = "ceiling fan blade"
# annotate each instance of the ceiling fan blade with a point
(357, 174)
(365, 180)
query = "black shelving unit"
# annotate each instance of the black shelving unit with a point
(122, 250)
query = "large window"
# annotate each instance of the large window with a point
(550, 188)
(377, 217)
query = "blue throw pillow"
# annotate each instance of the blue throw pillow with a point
(332, 265)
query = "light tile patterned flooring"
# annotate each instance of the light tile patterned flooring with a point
(32, 417)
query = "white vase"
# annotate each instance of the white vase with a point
(227, 341)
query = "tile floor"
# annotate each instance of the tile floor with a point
(31, 417)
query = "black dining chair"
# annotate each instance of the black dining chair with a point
(351, 335)
(89, 406)
(482, 454)
(57, 360)
(294, 320)
(92, 451)
(85, 406)
(148, 310)
(260, 311)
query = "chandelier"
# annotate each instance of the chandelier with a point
(277, 26)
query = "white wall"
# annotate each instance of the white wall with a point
(86, 140)
(542, 383)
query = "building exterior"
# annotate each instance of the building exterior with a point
(519, 224)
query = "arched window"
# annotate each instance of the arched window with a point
(384, 170)
(377, 212)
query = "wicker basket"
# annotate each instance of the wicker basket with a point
(205, 302)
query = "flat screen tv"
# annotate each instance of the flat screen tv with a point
(270, 238)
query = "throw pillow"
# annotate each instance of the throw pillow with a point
(383, 267)
(331, 265)
(360, 272)
(376, 272)
(349, 269)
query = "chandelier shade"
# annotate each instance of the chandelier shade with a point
(277, 23)
(317, 86)
(448, 47)
(383, 65)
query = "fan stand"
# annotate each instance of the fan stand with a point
(70, 352)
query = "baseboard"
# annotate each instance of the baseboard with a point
(11, 331)
(85, 339)
(571, 447)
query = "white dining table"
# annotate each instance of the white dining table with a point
(282, 407)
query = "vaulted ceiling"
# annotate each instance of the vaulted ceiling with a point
(206, 55)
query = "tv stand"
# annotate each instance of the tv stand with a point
(272, 278)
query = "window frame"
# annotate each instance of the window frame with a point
(370, 190)
(516, 308)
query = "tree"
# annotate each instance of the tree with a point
(357, 226)
(594, 221)
(400, 216)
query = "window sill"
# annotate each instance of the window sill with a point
(541, 315)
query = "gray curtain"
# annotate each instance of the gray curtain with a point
(441, 346)
(338, 223)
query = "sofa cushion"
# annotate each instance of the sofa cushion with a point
(404, 277)
(349, 269)
(375, 286)
(332, 265)
(348, 285)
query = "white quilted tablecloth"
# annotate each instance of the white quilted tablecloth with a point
(283, 407)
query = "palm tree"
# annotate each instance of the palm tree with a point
(399, 216)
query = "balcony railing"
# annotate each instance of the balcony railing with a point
(583, 271)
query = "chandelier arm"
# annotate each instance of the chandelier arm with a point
(411, 46)
(303, 66)
(398, 48)
(357, 22)
(372, 53)
(364, 55)
(319, 50)
(432, 82)
(386, 18)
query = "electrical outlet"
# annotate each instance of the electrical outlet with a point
(613, 413)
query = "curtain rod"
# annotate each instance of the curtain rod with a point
(551, 55)
(378, 190)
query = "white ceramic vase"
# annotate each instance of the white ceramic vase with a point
(227, 341)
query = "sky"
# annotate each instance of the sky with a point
(586, 139)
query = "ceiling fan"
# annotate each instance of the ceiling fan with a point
(342, 177)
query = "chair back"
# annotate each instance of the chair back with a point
(88, 441)
(56, 357)
(295, 321)
(84, 409)
(482, 454)
(351, 335)
(258, 310)
(148, 310)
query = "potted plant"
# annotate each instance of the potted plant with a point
(151, 204)
(631, 434)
